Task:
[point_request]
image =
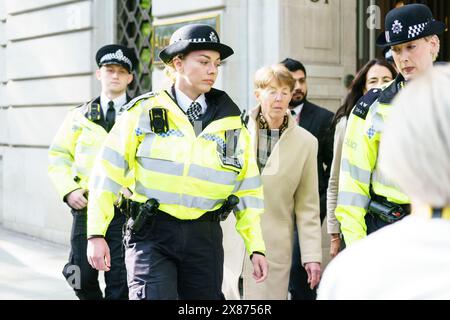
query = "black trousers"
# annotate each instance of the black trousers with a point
(79, 273)
(298, 278)
(175, 259)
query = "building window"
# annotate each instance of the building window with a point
(135, 30)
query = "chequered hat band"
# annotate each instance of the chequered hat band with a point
(416, 30)
(118, 55)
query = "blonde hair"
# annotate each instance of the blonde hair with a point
(415, 146)
(434, 54)
(277, 72)
(169, 69)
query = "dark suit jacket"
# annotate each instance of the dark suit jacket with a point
(317, 121)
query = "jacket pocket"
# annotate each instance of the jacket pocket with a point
(152, 147)
(138, 292)
(230, 162)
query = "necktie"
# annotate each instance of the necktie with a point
(296, 117)
(194, 111)
(110, 115)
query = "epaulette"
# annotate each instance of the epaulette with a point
(363, 105)
(82, 105)
(133, 102)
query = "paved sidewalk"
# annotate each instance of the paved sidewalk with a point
(30, 268)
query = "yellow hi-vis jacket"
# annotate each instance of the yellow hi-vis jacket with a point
(188, 174)
(359, 168)
(73, 150)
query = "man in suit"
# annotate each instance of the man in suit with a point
(316, 120)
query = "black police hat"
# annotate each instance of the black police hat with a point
(408, 23)
(116, 54)
(193, 37)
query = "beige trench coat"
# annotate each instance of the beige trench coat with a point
(290, 192)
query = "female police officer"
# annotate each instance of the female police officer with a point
(367, 199)
(188, 150)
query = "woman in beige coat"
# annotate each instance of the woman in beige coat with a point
(287, 157)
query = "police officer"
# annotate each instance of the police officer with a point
(71, 158)
(367, 200)
(189, 151)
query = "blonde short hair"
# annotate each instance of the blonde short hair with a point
(435, 54)
(415, 146)
(276, 72)
(169, 69)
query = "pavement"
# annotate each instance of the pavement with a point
(30, 268)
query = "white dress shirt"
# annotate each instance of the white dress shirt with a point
(297, 110)
(184, 101)
(119, 102)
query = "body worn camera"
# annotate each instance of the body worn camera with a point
(158, 120)
(94, 112)
(387, 211)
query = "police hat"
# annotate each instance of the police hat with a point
(408, 23)
(193, 37)
(116, 54)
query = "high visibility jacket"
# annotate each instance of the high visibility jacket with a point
(359, 171)
(73, 150)
(188, 174)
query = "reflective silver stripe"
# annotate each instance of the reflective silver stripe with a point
(56, 161)
(355, 172)
(250, 202)
(174, 198)
(161, 166)
(88, 150)
(353, 199)
(115, 158)
(248, 184)
(211, 175)
(106, 184)
(381, 179)
(59, 149)
(83, 171)
(200, 203)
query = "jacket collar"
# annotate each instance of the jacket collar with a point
(391, 91)
(219, 103)
(253, 124)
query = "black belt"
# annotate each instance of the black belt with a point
(207, 216)
(133, 210)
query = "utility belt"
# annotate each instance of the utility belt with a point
(141, 213)
(387, 211)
